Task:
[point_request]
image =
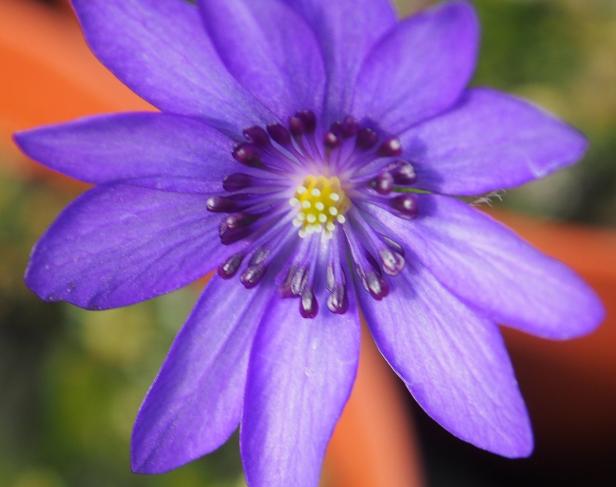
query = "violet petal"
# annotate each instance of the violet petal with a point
(160, 49)
(346, 30)
(272, 52)
(300, 376)
(490, 141)
(488, 266)
(420, 68)
(119, 244)
(453, 361)
(110, 148)
(196, 401)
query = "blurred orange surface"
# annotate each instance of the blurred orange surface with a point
(49, 75)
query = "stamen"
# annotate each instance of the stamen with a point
(376, 285)
(395, 246)
(257, 135)
(336, 128)
(309, 119)
(366, 139)
(403, 172)
(237, 220)
(247, 154)
(331, 140)
(236, 227)
(383, 183)
(252, 275)
(230, 267)
(232, 235)
(279, 134)
(349, 127)
(237, 182)
(406, 204)
(393, 262)
(221, 204)
(296, 126)
(337, 301)
(308, 304)
(392, 147)
(298, 281)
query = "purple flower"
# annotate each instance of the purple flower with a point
(312, 151)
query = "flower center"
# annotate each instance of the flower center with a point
(344, 169)
(320, 203)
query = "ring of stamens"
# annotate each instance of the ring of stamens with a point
(320, 203)
(371, 167)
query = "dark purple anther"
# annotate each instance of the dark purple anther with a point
(235, 227)
(308, 304)
(309, 119)
(336, 128)
(330, 278)
(279, 134)
(376, 285)
(349, 127)
(403, 172)
(393, 245)
(392, 147)
(406, 204)
(230, 235)
(247, 154)
(220, 204)
(366, 139)
(257, 135)
(252, 276)
(237, 220)
(383, 183)
(259, 256)
(337, 301)
(331, 140)
(393, 262)
(237, 181)
(229, 268)
(298, 280)
(296, 126)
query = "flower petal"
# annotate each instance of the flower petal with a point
(346, 30)
(132, 145)
(488, 266)
(118, 244)
(420, 68)
(160, 49)
(490, 141)
(196, 401)
(272, 52)
(300, 376)
(453, 361)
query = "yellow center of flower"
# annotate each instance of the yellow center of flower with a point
(320, 203)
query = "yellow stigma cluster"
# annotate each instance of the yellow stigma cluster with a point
(320, 203)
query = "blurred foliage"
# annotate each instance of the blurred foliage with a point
(72, 381)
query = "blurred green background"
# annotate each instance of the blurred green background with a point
(71, 381)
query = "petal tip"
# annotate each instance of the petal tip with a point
(144, 461)
(523, 450)
(590, 313)
(595, 316)
(21, 139)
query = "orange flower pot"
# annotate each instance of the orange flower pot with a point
(49, 75)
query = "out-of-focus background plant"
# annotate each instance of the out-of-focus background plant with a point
(71, 381)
